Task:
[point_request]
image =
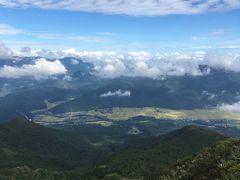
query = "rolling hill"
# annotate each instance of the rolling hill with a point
(32, 151)
(26, 143)
(149, 157)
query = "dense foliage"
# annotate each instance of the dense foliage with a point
(149, 157)
(219, 162)
(30, 151)
(26, 143)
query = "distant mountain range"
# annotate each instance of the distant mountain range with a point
(187, 92)
(82, 84)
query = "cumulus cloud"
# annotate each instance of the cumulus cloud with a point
(5, 52)
(118, 93)
(42, 69)
(235, 107)
(155, 65)
(133, 7)
(111, 69)
(46, 53)
(111, 64)
(144, 64)
(227, 61)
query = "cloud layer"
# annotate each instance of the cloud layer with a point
(42, 69)
(110, 64)
(129, 7)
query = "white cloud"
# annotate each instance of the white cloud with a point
(42, 69)
(111, 69)
(129, 7)
(5, 90)
(5, 52)
(224, 61)
(45, 53)
(146, 64)
(235, 107)
(119, 93)
(6, 29)
(155, 65)
(110, 64)
(67, 78)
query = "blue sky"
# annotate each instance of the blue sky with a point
(105, 27)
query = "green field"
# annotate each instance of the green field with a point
(196, 114)
(106, 117)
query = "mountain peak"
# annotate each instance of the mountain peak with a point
(193, 129)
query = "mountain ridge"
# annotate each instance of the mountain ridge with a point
(31, 146)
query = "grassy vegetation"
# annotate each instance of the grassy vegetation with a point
(105, 117)
(49, 105)
(195, 114)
